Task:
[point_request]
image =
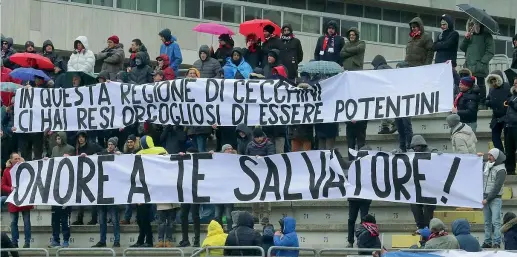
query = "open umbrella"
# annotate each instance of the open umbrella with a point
(511, 74)
(9, 86)
(257, 27)
(30, 60)
(28, 74)
(213, 29)
(321, 67)
(86, 78)
(480, 16)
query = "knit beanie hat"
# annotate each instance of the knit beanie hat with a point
(468, 81)
(453, 120)
(494, 152)
(257, 132)
(131, 137)
(114, 38)
(113, 140)
(225, 147)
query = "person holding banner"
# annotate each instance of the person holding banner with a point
(185, 209)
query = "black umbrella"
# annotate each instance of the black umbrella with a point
(86, 78)
(480, 16)
(511, 74)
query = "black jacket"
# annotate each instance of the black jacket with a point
(242, 142)
(222, 53)
(514, 58)
(446, 43)
(143, 73)
(89, 148)
(511, 113)
(291, 53)
(367, 237)
(243, 235)
(173, 138)
(497, 96)
(270, 44)
(379, 63)
(254, 59)
(468, 107)
(6, 62)
(52, 55)
(335, 42)
(132, 55)
(7, 243)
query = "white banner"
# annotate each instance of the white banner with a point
(357, 95)
(228, 178)
(452, 253)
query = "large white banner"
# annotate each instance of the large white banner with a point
(227, 178)
(452, 253)
(357, 95)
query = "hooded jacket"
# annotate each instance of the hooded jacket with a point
(509, 229)
(289, 238)
(494, 175)
(242, 142)
(143, 73)
(419, 49)
(264, 148)
(52, 56)
(332, 49)
(132, 55)
(210, 67)
(353, 52)
(112, 60)
(168, 72)
(7, 243)
(419, 140)
(232, 71)
(274, 42)
(446, 43)
(89, 148)
(368, 236)
(511, 112)
(463, 139)
(479, 50)
(147, 144)
(461, 230)
(82, 61)
(171, 49)
(498, 94)
(291, 52)
(379, 63)
(242, 234)
(7, 189)
(7, 54)
(268, 234)
(468, 106)
(268, 67)
(215, 237)
(441, 242)
(63, 148)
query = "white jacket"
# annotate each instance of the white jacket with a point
(83, 61)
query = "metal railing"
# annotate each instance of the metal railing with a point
(206, 250)
(42, 250)
(107, 250)
(305, 249)
(341, 250)
(160, 250)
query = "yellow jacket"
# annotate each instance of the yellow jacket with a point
(215, 237)
(148, 146)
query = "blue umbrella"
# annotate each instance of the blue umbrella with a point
(28, 74)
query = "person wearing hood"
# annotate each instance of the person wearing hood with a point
(60, 74)
(243, 234)
(236, 67)
(496, 100)
(112, 57)
(352, 52)
(260, 145)
(368, 234)
(173, 138)
(208, 67)
(253, 51)
(387, 125)
(61, 147)
(463, 139)
(6, 244)
(514, 56)
(328, 47)
(510, 138)
(215, 237)
(268, 236)
(48, 51)
(271, 41)
(287, 237)
(479, 49)
(136, 46)
(29, 47)
(244, 137)
(419, 49)
(291, 51)
(225, 49)
(142, 73)
(164, 66)
(7, 51)
(494, 175)
(273, 60)
(509, 229)
(461, 230)
(466, 104)
(171, 48)
(82, 58)
(446, 43)
(439, 238)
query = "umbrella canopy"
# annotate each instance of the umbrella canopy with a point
(321, 67)
(480, 16)
(30, 60)
(28, 74)
(257, 27)
(86, 78)
(511, 74)
(213, 29)
(9, 86)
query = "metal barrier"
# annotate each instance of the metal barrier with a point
(320, 252)
(45, 251)
(207, 250)
(61, 250)
(273, 248)
(128, 250)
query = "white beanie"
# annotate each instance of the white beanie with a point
(494, 152)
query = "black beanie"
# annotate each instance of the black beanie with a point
(131, 137)
(257, 132)
(269, 29)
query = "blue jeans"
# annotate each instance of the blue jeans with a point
(227, 209)
(199, 142)
(166, 220)
(60, 223)
(26, 226)
(103, 213)
(405, 129)
(492, 212)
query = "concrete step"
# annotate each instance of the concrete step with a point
(474, 217)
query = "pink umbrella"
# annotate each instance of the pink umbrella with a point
(213, 28)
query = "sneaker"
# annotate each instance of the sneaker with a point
(485, 245)
(78, 223)
(496, 246)
(136, 245)
(27, 245)
(184, 243)
(99, 244)
(146, 245)
(65, 244)
(116, 244)
(125, 222)
(92, 222)
(168, 244)
(384, 131)
(54, 245)
(160, 244)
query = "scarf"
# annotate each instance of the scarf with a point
(457, 99)
(413, 34)
(439, 234)
(225, 46)
(287, 38)
(488, 166)
(167, 43)
(133, 56)
(252, 48)
(326, 41)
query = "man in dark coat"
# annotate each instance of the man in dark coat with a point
(7, 243)
(510, 139)
(244, 137)
(291, 51)
(446, 44)
(173, 139)
(7, 51)
(48, 51)
(60, 74)
(260, 145)
(419, 49)
(253, 51)
(142, 73)
(498, 94)
(509, 229)
(243, 234)
(329, 45)
(465, 103)
(271, 41)
(461, 230)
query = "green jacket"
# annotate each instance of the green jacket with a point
(479, 50)
(353, 52)
(419, 50)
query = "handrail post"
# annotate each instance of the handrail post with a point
(43, 250)
(140, 249)
(113, 253)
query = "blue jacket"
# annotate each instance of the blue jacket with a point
(172, 50)
(461, 230)
(230, 69)
(509, 230)
(289, 238)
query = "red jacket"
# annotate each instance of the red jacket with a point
(168, 72)
(5, 77)
(6, 189)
